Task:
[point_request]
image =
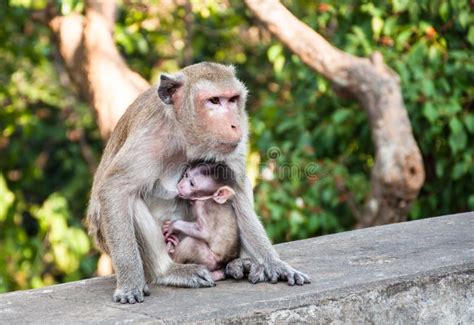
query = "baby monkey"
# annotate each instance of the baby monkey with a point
(212, 239)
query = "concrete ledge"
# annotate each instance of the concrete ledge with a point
(413, 272)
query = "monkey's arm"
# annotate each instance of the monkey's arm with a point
(133, 236)
(118, 230)
(257, 244)
(191, 229)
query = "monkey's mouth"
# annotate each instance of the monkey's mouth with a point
(227, 147)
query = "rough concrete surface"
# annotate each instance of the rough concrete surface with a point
(415, 272)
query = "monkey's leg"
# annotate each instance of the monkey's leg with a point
(256, 243)
(192, 250)
(159, 267)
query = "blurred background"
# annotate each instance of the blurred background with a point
(50, 141)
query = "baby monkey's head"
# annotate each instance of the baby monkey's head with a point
(202, 181)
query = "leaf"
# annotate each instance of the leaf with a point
(430, 112)
(362, 38)
(444, 10)
(296, 218)
(403, 37)
(464, 18)
(341, 115)
(274, 51)
(470, 202)
(469, 122)
(278, 64)
(400, 5)
(377, 25)
(439, 168)
(6, 198)
(78, 240)
(390, 26)
(455, 125)
(470, 35)
(457, 141)
(453, 107)
(428, 87)
(459, 170)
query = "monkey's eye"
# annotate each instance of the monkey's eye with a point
(214, 100)
(233, 99)
(192, 183)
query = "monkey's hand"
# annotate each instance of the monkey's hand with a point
(187, 276)
(277, 270)
(131, 294)
(167, 229)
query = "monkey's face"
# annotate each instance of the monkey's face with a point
(209, 104)
(194, 185)
(218, 113)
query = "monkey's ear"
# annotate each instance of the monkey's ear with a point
(168, 87)
(223, 194)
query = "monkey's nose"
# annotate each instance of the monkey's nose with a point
(237, 131)
(235, 128)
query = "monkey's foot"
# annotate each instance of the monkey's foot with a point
(171, 243)
(187, 276)
(131, 295)
(238, 268)
(278, 270)
(218, 275)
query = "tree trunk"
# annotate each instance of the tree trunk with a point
(87, 47)
(94, 64)
(398, 173)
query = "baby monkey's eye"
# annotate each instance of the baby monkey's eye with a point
(192, 183)
(214, 100)
(233, 99)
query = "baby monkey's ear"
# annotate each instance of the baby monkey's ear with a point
(223, 194)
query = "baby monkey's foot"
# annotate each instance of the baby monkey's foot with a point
(172, 242)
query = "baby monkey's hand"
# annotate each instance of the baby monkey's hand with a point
(168, 229)
(171, 239)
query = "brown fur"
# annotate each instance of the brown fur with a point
(221, 238)
(133, 187)
(212, 238)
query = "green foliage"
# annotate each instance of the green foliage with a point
(44, 179)
(305, 140)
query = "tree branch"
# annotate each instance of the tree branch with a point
(398, 173)
(87, 46)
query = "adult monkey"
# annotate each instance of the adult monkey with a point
(196, 114)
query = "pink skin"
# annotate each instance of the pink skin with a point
(220, 113)
(223, 107)
(194, 182)
(197, 232)
(172, 241)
